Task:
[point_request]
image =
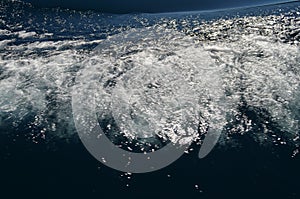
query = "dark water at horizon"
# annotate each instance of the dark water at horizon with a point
(256, 52)
(150, 6)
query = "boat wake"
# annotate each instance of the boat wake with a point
(173, 80)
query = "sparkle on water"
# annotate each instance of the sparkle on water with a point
(174, 78)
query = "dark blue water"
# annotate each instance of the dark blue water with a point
(150, 6)
(257, 155)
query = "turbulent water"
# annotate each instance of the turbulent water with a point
(163, 76)
(157, 79)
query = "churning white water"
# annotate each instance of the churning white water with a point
(160, 80)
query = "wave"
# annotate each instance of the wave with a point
(237, 75)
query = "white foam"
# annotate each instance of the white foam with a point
(169, 82)
(23, 34)
(4, 43)
(189, 73)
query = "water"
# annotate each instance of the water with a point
(238, 67)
